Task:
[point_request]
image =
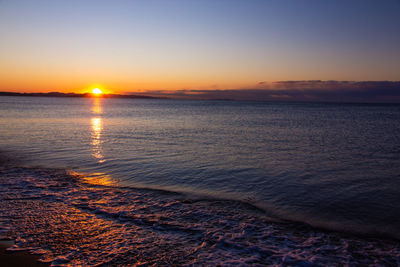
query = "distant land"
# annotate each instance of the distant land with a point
(282, 91)
(58, 94)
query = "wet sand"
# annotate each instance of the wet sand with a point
(17, 259)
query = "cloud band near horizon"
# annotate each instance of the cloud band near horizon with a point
(308, 90)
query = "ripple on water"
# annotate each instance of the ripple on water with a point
(70, 222)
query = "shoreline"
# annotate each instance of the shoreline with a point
(18, 258)
(106, 225)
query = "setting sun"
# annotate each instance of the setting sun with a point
(97, 91)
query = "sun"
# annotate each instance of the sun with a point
(97, 91)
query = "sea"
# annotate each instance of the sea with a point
(108, 181)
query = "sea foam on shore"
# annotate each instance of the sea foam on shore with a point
(69, 221)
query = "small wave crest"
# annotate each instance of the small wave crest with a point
(69, 221)
(250, 204)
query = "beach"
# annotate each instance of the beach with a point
(18, 259)
(200, 133)
(71, 222)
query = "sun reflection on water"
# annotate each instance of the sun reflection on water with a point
(97, 127)
(97, 178)
(96, 108)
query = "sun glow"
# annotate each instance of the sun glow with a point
(97, 91)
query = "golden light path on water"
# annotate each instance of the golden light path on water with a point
(97, 127)
(96, 147)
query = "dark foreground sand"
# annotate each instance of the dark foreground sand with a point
(17, 259)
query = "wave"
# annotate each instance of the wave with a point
(70, 219)
(251, 204)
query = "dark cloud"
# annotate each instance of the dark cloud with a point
(310, 90)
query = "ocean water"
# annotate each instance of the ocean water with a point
(201, 182)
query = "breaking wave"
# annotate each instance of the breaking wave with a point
(73, 219)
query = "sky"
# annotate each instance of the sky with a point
(170, 46)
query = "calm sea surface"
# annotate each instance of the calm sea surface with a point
(334, 166)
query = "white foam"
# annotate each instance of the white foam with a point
(70, 222)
